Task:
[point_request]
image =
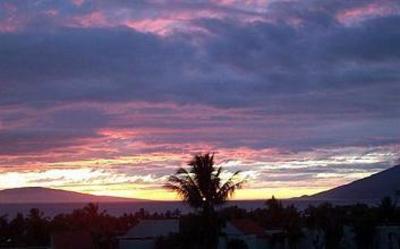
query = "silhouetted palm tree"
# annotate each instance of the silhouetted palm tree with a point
(201, 186)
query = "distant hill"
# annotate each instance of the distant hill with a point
(48, 195)
(372, 188)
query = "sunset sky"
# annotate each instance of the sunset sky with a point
(110, 97)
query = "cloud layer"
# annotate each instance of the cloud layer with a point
(123, 92)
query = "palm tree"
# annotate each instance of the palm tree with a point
(201, 185)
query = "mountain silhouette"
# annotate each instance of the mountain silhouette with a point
(373, 188)
(48, 195)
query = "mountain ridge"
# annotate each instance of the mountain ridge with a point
(373, 187)
(50, 195)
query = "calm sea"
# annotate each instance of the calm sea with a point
(52, 209)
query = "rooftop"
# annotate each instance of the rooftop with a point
(72, 240)
(244, 227)
(152, 229)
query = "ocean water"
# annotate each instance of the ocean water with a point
(52, 209)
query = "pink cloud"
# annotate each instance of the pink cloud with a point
(10, 21)
(166, 23)
(256, 5)
(371, 10)
(163, 22)
(159, 26)
(160, 22)
(6, 26)
(93, 19)
(78, 2)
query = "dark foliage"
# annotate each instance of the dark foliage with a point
(35, 229)
(201, 185)
(329, 219)
(198, 231)
(237, 244)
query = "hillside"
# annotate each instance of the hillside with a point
(374, 187)
(48, 195)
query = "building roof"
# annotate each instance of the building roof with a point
(72, 240)
(245, 227)
(147, 229)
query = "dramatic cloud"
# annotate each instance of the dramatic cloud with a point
(109, 97)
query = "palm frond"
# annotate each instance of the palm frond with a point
(200, 185)
(183, 184)
(229, 187)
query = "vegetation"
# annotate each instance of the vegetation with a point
(35, 229)
(237, 244)
(202, 187)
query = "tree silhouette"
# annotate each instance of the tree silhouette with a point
(292, 226)
(329, 219)
(201, 186)
(274, 215)
(387, 209)
(37, 228)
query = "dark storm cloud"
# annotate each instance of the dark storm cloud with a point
(34, 141)
(36, 131)
(263, 60)
(78, 64)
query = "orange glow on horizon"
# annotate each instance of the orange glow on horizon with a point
(164, 195)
